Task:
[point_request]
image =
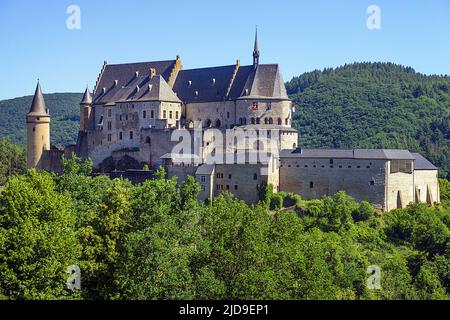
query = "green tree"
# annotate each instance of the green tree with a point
(101, 237)
(12, 160)
(37, 239)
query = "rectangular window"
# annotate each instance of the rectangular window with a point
(203, 178)
(404, 166)
(228, 187)
(109, 137)
(164, 114)
(144, 114)
(311, 185)
(170, 114)
(372, 183)
(109, 125)
(120, 117)
(152, 114)
(131, 135)
(176, 115)
(229, 176)
(109, 113)
(203, 188)
(235, 187)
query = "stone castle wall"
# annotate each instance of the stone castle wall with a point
(315, 178)
(427, 181)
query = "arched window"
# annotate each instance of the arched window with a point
(258, 120)
(244, 121)
(266, 121)
(280, 122)
(270, 121)
(208, 123)
(253, 120)
(218, 123)
(148, 141)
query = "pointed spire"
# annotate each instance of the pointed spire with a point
(38, 104)
(256, 50)
(87, 98)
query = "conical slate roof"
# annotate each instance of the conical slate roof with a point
(87, 98)
(38, 105)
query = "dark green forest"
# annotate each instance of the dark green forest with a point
(362, 105)
(156, 241)
(374, 105)
(64, 109)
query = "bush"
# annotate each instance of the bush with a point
(364, 212)
(276, 202)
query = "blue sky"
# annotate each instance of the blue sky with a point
(299, 35)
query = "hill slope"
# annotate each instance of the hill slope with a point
(64, 109)
(374, 105)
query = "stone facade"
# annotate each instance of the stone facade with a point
(389, 180)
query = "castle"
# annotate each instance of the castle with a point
(236, 125)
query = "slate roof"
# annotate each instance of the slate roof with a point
(205, 169)
(422, 163)
(382, 154)
(148, 89)
(125, 75)
(200, 81)
(265, 127)
(38, 105)
(194, 85)
(87, 98)
(265, 82)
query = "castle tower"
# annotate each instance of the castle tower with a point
(38, 131)
(85, 110)
(256, 51)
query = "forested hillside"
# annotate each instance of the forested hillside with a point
(64, 109)
(374, 105)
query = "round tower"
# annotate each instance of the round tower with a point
(38, 131)
(85, 110)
